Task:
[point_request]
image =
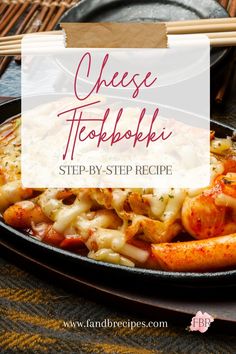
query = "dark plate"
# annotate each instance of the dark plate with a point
(149, 11)
(102, 271)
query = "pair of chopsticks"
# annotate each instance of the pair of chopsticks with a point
(220, 31)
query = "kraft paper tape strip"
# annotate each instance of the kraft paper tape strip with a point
(115, 35)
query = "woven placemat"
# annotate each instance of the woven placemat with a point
(35, 317)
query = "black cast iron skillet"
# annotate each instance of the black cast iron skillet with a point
(148, 11)
(76, 264)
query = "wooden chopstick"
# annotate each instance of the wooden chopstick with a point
(48, 18)
(204, 21)
(59, 13)
(224, 3)
(204, 28)
(217, 35)
(11, 46)
(224, 87)
(20, 36)
(223, 42)
(5, 17)
(3, 8)
(232, 8)
(221, 93)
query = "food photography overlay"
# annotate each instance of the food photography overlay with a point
(124, 120)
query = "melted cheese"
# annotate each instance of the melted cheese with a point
(106, 219)
(220, 146)
(10, 151)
